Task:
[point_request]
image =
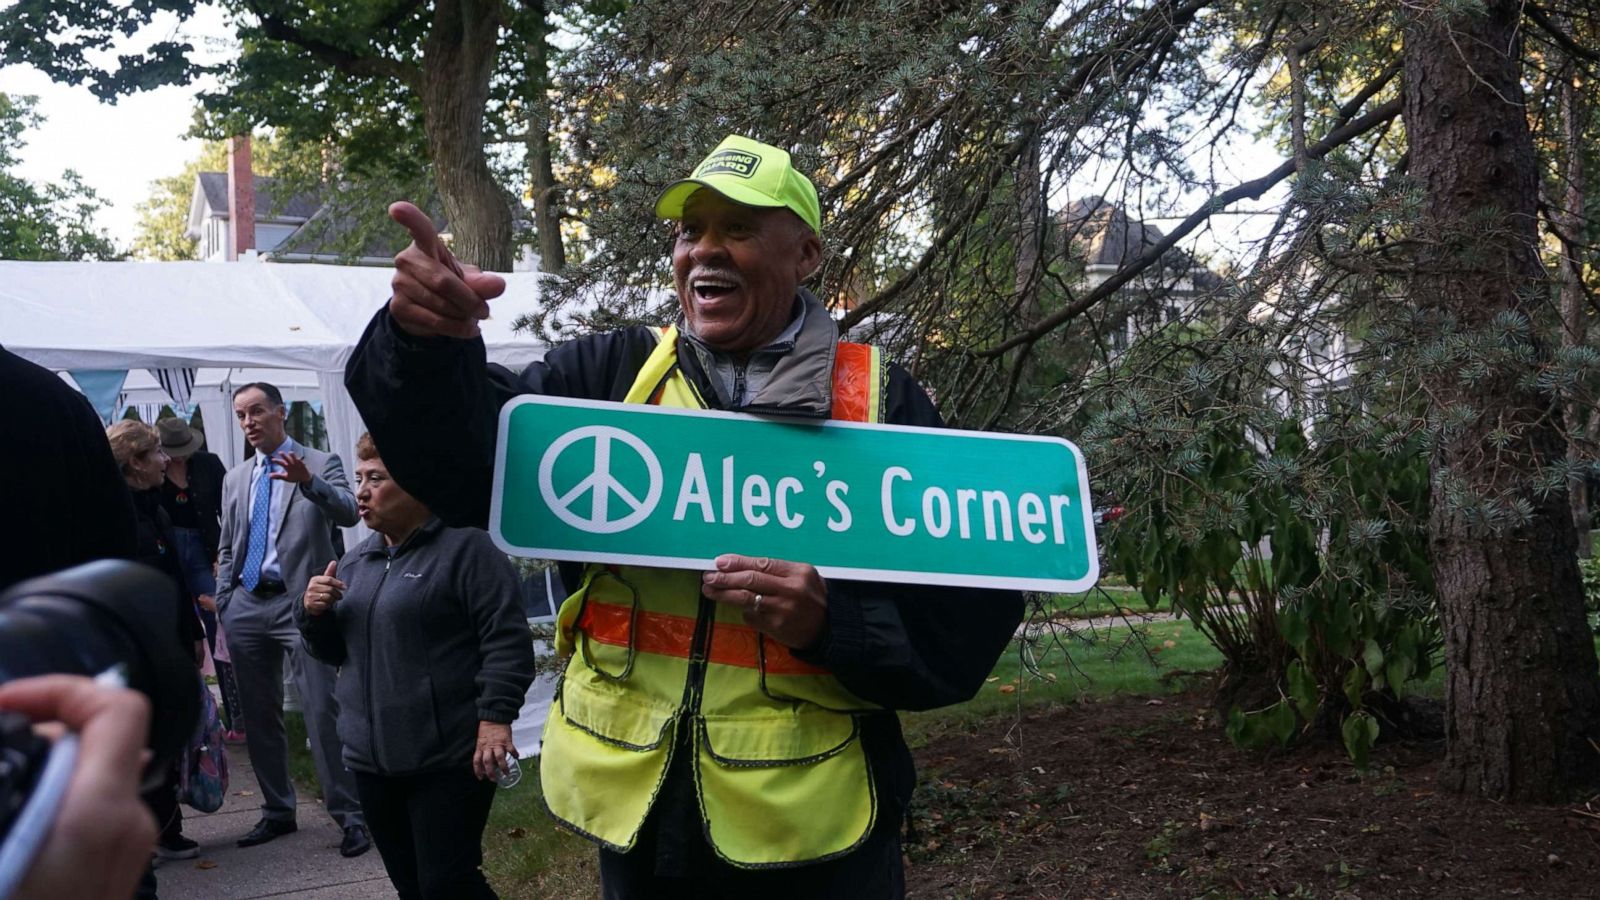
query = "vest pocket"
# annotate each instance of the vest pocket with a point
(802, 798)
(777, 739)
(597, 787)
(612, 714)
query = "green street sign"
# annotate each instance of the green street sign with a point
(647, 485)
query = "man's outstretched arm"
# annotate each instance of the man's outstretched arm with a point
(419, 376)
(421, 379)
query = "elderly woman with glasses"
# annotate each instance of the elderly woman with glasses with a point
(137, 450)
(138, 453)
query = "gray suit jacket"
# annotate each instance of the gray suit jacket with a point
(305, 535)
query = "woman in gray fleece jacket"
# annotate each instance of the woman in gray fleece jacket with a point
(434, 658)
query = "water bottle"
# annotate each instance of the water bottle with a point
(510, 772)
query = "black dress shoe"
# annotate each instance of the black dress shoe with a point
(356, 841)
(266, 830)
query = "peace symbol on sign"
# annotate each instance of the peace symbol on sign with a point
(599, 484)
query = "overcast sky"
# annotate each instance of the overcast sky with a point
(118, 149)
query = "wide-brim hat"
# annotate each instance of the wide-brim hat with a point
(177, 438)
(748, 172)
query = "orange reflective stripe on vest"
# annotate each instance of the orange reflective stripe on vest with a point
(852, 384)
(665, 634)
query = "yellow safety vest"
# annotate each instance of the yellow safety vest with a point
(779, 769)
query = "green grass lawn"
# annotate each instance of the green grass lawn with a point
(526, 856)
(301, 768)
(1072, 664)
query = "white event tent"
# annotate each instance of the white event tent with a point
(294, 325)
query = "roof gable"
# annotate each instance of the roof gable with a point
(1102, 233)
(213, 186)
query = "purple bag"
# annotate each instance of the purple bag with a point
(203, 772)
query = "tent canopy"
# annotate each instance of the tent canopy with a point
(131, 315)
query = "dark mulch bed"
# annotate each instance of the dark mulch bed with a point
(1147, 798)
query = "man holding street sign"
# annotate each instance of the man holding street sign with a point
(722, 731)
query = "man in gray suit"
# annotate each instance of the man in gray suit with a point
(278, 513)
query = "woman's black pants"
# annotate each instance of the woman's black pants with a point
(429, 831)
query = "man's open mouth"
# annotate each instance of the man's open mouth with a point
(713, 288)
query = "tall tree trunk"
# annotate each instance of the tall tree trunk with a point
(1031, 230)
(546, 193)
(459, 58)
(1521, 693)
(1574, 309)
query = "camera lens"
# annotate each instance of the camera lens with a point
(100, 616)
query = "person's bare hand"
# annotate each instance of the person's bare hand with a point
(207, 602)
(323, 591)
(103, 833)
(787, 601)
(294, 468)
(494, 742)
(433, 293)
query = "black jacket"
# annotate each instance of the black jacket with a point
(156, 547)
(430, 640)
(433, 404)
(206, 472)
(65, 501)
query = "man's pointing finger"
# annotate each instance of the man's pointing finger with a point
(417, 222)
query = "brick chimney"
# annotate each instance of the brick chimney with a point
(241, 198)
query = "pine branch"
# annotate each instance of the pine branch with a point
(843, 184)
(1248, 190)
(950, 232)
(1564, 40)
(1151, 34)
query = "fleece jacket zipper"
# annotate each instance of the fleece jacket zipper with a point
(372, 609)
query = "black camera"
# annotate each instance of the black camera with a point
(103, 617)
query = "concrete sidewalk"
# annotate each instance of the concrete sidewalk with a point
(304, 864)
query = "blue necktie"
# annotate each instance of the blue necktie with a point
(260, 513)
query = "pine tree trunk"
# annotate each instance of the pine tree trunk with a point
(1574, 308)
(546, 193)
(1521, 697)
(460, 56)
(1031, 218)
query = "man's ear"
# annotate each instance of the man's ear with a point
(810, 255)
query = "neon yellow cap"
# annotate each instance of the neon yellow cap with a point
(748, 172)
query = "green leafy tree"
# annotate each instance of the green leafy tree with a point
(161, 230)
(52, 221)
(406, 92)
